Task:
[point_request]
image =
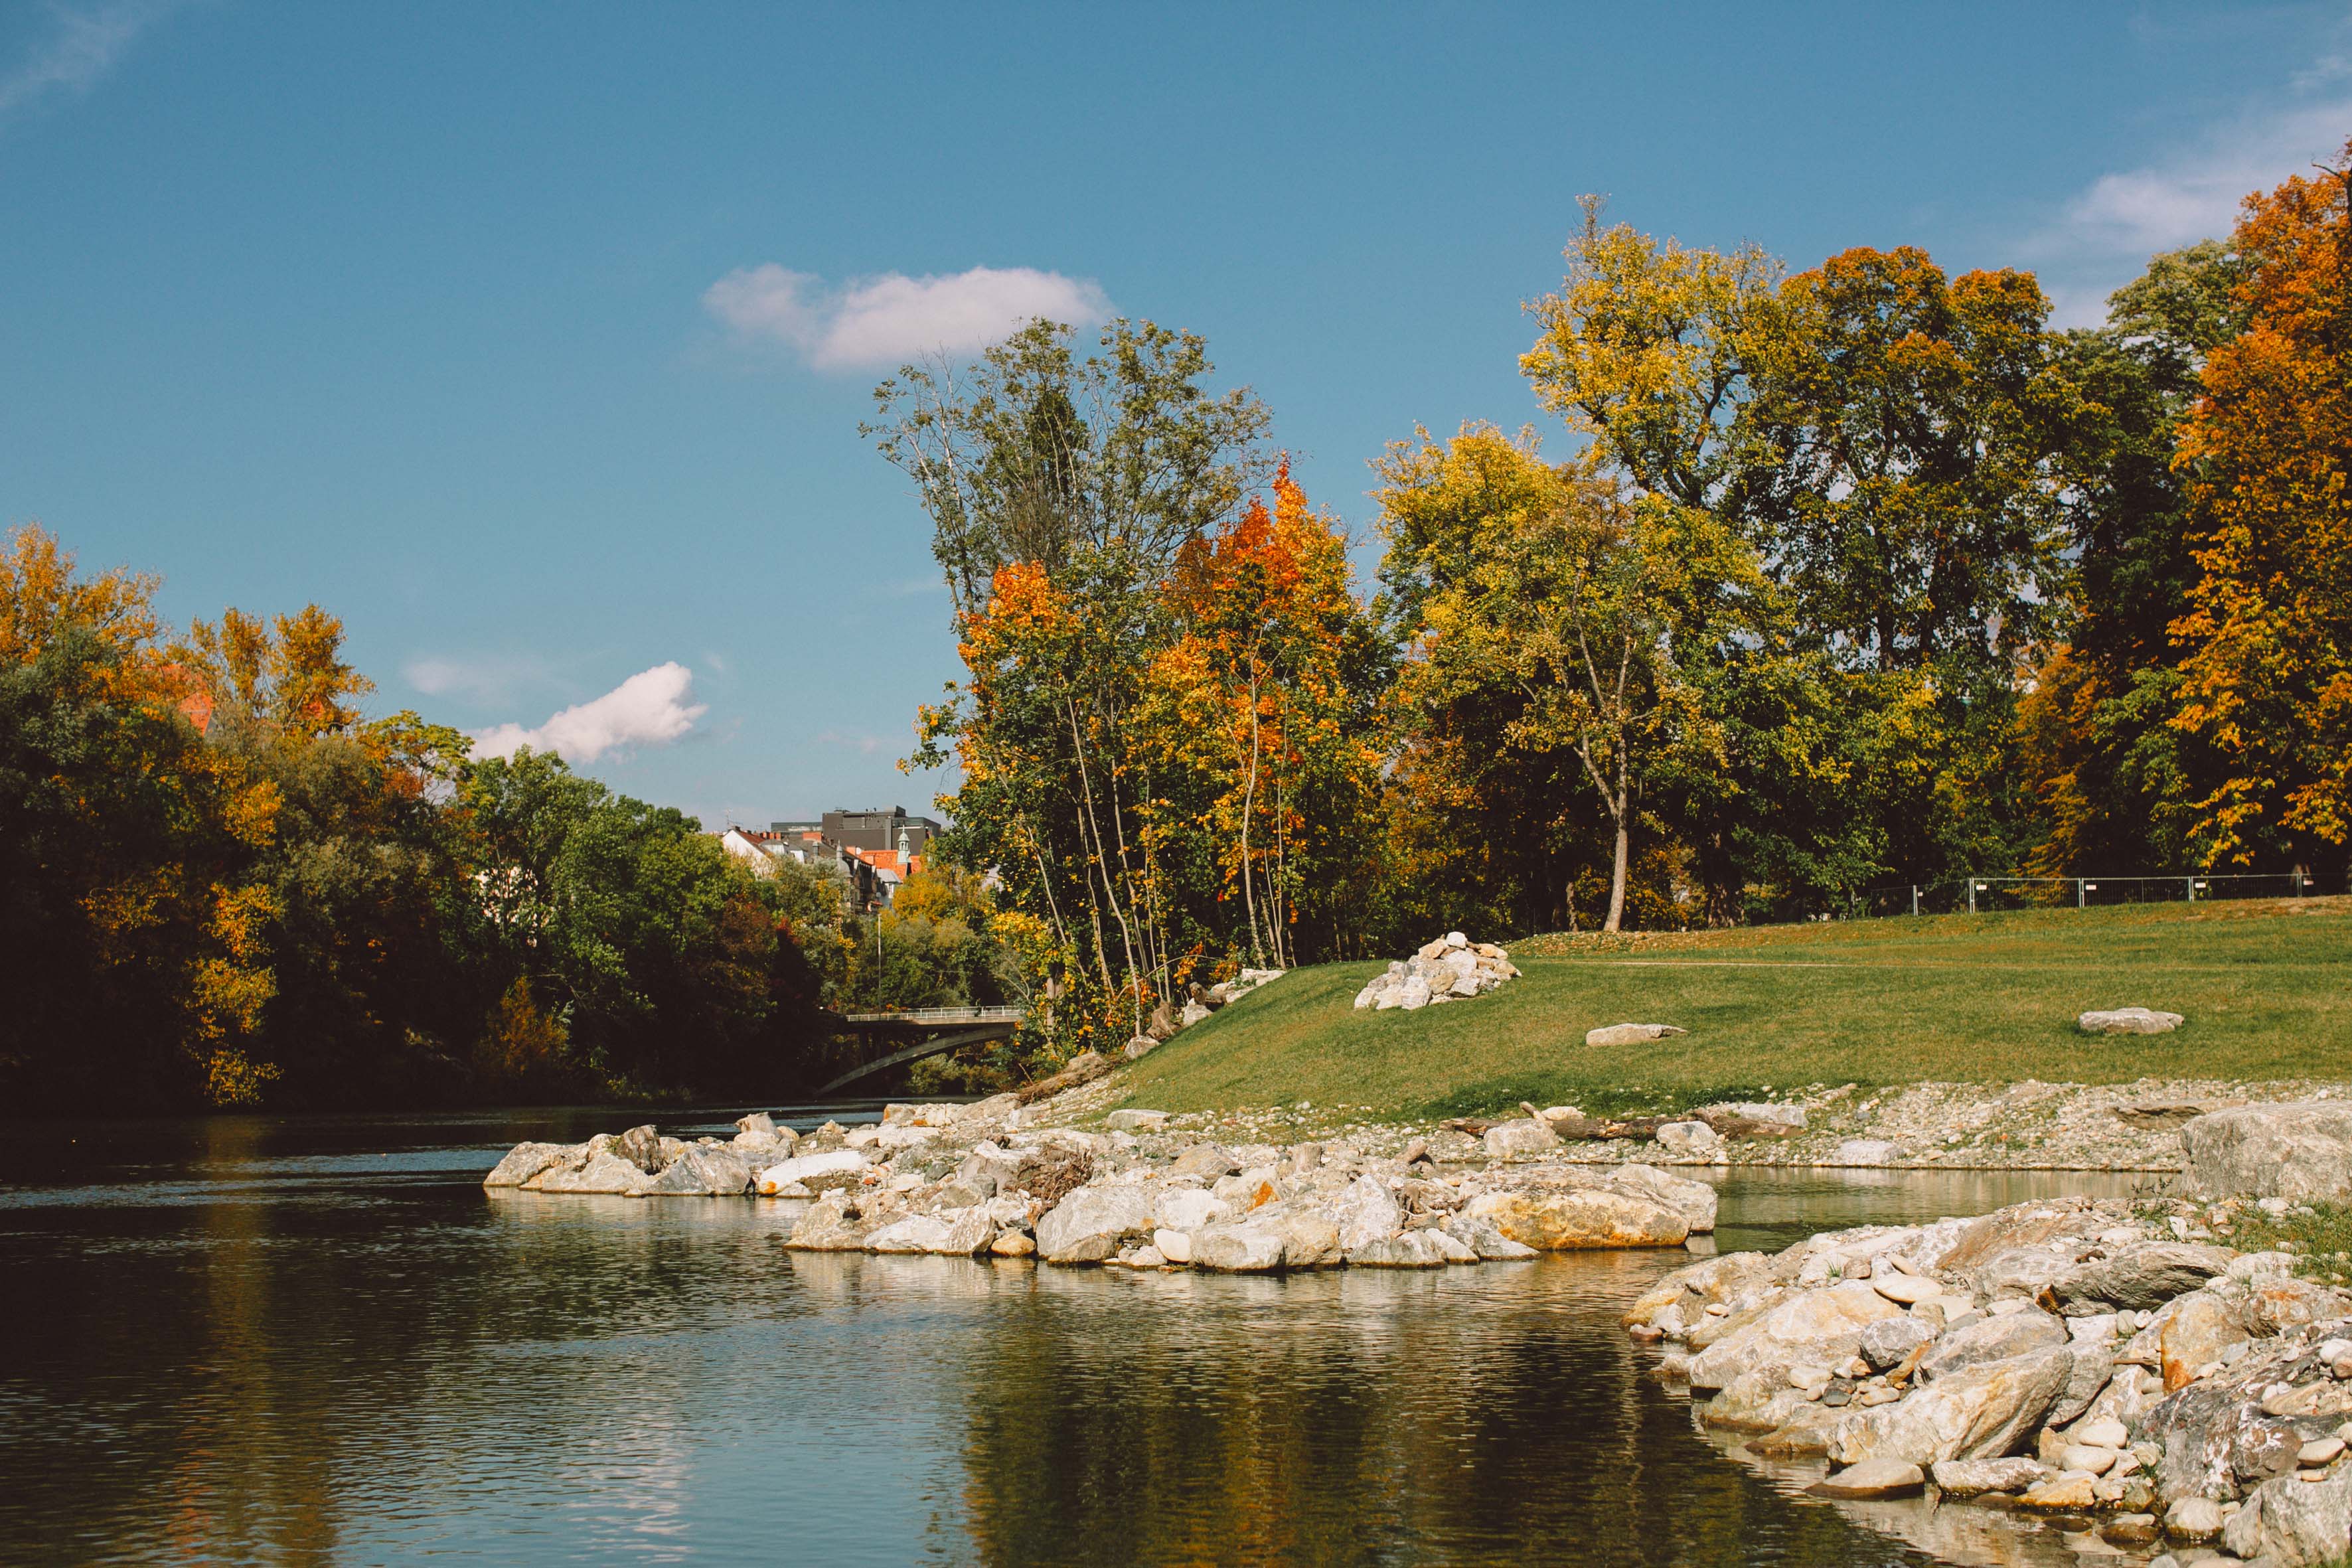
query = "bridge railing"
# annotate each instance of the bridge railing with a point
(942, 1015)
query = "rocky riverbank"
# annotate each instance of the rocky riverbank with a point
(1141, 1193)
(2030, 1125)
(2104, 1362)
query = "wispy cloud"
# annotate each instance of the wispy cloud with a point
(81, 46)
(652, 708)
(486, 679)
(877, 321)
(864, 745)
(2191, 191)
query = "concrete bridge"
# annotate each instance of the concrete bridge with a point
(934, 1030)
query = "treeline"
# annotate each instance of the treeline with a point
(219, 886)
(1856, 575)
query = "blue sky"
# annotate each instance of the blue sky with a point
(533, 339)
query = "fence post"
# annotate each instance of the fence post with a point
(2078, 892)
(2298, 884)
(2192, 888)
(1972, 892)
(1915, 900)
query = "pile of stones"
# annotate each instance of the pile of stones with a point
(2095, 1359)
(972, 1181)
(1451, 969)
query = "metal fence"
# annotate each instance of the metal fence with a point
(1973, 895)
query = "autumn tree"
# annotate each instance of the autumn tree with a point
(1062, 491)
(2267, 635)
(2117, 782)
(1262, 716)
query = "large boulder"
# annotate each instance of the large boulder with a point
(802, 1168)
(1982, 1412)
(525, 1161)
(2139, 1276)
(1976, 1478)
(987, 1169)
(2295, 1522)
(916, 1233)
(1092, 1222)
(2215, 1442)
(1188, 1208)
(603, 1172)
(1210, 1160)
(1809, 1328)
(2301, 1151)
(2129, 1021)
(1695, 1201)
(1680, 1299)
(704, 1170)
(1519, 1140)
(1555, 1220)
(1490, 1245)
(1617, 1035)
(1406, 1249)
(1310, 1239)
(2200, 1327)
(1873, 1478)
(1253, 1247)
(1991, 1339)
(836, 1222)
(1891, 1342)
(1367, 1211)
(642, 1147)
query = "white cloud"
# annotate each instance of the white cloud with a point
(2121, 218)
(2195, 194)
(864, 745)
(652, 708)
(885, 321)
(86, 43)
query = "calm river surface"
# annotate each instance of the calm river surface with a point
(318, 1339)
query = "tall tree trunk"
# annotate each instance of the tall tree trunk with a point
(1249, 799)
(1620, 810)
(1101, 860)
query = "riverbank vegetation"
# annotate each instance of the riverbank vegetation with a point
(1844, 579)
(220, 886)
(1954, 998)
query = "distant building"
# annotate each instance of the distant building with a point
(874, 851)
(875, 828)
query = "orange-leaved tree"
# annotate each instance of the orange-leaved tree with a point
(2267, 638)
(1261, 714)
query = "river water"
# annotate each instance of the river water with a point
(318, 1339)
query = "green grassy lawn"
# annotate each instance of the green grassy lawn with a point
(2266, 988)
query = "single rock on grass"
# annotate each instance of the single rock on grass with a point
(2129, 1021)
(1134, 1120)
(1631, 1034)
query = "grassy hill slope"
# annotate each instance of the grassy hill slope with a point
(2267, 987)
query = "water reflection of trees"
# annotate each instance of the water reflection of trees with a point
(1491, 1416)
